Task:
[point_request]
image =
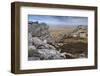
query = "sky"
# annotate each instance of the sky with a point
(59, 20)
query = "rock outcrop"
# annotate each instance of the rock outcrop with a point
(40, 30)
(40, 43)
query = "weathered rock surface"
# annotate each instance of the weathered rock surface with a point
(43, 51)
(40, 43)
(40, 30)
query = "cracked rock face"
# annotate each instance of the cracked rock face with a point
(40, 43)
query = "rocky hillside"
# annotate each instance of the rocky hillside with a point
(41, 46)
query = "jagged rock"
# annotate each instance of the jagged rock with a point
(36, 41)
(46, 46)
(40, 30)
(41, 44)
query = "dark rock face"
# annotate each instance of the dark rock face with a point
(40, 43)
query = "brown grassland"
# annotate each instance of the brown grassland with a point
(57, 31)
